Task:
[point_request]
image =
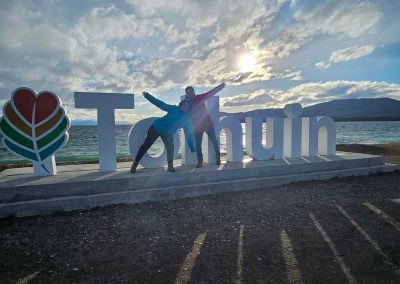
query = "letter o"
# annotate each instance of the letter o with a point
(136, 137)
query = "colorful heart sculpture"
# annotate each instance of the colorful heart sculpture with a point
(34, 126)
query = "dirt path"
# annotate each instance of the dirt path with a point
(338, 231)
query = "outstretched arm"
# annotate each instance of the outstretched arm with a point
(158, 103)
(212, 92)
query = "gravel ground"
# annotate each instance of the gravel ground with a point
(285, 234)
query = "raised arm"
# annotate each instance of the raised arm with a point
(158, 103)
(212, 92)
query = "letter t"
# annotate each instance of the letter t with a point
(105, 103)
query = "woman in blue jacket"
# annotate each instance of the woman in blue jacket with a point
(165, 127)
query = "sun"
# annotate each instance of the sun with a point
(247, 62)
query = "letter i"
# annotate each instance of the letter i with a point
(292, 131)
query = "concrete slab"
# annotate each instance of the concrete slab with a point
(83, 187)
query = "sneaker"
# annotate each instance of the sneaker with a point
(171, 168)
(133, 167)
(218, 162)
(199, 163)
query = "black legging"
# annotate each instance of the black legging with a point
(213, 138)
(151, 137)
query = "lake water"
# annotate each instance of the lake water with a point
(83, 142)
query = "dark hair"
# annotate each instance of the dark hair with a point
(189, 88)
(186, 101)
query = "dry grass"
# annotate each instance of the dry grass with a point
(389, 151)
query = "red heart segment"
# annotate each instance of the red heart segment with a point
(26, 101)
(46, 104)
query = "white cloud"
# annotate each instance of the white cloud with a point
(110, 23)
(292, 74)
(352, 18)
(351, 53)
(130, 117)
(312, 19)
(150, 8)
(161, 45)
(199, 42)
(346, 54)
(322, 65)
(260, 97)
(167, 72)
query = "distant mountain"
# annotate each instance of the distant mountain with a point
(271, 112)
(357, 109)
(339, 110)
(83, 122)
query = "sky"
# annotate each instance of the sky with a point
(270, 52)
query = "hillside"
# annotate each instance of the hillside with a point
(357, 109)
(340, 110)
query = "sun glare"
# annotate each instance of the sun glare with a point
(247, 63)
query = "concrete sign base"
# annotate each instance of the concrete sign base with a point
(84, 187)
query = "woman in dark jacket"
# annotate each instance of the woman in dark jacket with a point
(176, 117)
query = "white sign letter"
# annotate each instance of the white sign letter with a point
(105, 105)
(212, 105)
(292, 131)
(274, 138)
(318, 136)
(137, 135)
(234, 137)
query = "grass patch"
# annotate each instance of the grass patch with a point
(389, 151)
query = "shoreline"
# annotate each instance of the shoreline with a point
(389, 151)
